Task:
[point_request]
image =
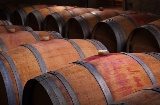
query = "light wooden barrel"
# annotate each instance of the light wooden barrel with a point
(11, 40)
(22, 63)
(97, 80)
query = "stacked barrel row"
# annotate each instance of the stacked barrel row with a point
(39, 63)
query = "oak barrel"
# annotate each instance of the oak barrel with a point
(15, 28)
(80, 27)
(6, 12)
(30, 60)
(11, 40)
(36, 18)
(20, 15)
(57, 21)
(97, 80)
(147, 96)
(145, 38)
(113, 32)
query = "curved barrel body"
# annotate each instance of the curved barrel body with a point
(35, 19)
(57, 21)
(114, 32)
(97, 80)
(80, 27)
(145, 38)
(27, 61)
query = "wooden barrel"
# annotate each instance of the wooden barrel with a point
(145, 38)
(8, 9)
(147, 96)
(30, 60)
(97, 80)
(5, 22)
(20, 15)
(11, 40)
(113, 33)
(36, 19)
(14, 28)
(57, 21)
(80, 27)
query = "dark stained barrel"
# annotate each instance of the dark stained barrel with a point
(20, 15)
(80, 27)
(147, 96)
(11, 40)
(36, 18)
(114, 32)
(57, 21)
(6, 12)
(97, 80)
(145, 38)
(27, 61)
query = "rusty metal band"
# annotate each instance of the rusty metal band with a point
(11, 98)
(48, 89)
(94, 44)
(2, 45)
(157, 89)
(60, 21)
(16, 75)
(85, 25)
(78, 49)
(22, 14)
(97, 16)
(38, 57)
(26, 28)
(154, 32)
(119, 33)
(104, 87)
(33, 7)
(100, 44)
(39, 18)
(144, 66)
(35, 35)
(71, 12)
(50, 10)
(154, 55)
(55, 89)
(130, 19)
(158, 27)
(67, 86)
(55, 34)
(6, 22)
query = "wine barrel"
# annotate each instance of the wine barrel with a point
(20, 15)
(30, 60)
(5, 22)
(80, 27)
(6, 12)
(11, 40)
(14, 28)
(145, 38)
(57, 21)
(97, 80)
(147, 96)
(114, 32)
(36, 18)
